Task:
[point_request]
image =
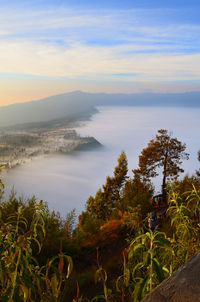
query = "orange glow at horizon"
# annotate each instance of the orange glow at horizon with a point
(26, 90)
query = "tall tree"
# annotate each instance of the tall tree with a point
(103, 204)
(164, 152)
(137, 192)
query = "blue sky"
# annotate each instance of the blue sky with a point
(107, 3)
(95, 45)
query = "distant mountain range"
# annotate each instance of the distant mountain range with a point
(75, 105)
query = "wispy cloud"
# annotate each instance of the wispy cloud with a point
(146, 45)
(82, 60)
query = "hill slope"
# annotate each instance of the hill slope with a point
(76, 104)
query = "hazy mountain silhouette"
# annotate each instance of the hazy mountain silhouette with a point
(76, 104)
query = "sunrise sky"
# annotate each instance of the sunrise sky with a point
(51, 47)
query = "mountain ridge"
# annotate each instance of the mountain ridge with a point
(77, 103)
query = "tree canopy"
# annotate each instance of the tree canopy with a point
(106, 198)
(164, 152)
(136, 192)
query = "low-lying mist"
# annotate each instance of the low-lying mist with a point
(66, 181)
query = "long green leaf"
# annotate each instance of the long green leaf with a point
(158, 269)
(141, 289)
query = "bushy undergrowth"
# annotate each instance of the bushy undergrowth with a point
(42, 258)
(22, 277)
(149, 258)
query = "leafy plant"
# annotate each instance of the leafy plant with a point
(21, 277)
(184, 213)
(145, 266)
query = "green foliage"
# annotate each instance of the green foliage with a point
(103, 204)
(144, 262)
(184, 213)
(136, 192)
(185, 185)
(35, 243)
(152, 256)
(70, 222)
(101, 276)
(163, 152)
(22, 278)
(56, 232)
(87, 228)
(132, 220)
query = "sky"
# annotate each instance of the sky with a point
(51, 47)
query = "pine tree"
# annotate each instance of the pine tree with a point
(163, 152)
(103, 204)
(137, 192)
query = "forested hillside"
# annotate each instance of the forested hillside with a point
(126, 242)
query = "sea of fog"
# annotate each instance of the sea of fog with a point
(66, 181)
